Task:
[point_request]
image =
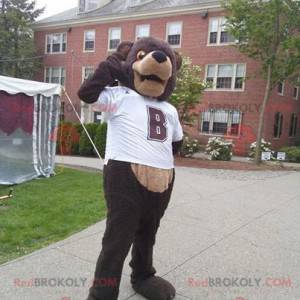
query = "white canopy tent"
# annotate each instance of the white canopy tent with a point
(29, 116)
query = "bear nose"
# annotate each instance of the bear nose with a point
(159, 56)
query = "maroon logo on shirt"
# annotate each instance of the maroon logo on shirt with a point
(157, 129)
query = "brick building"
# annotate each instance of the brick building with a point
(75, 41)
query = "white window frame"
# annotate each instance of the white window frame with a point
(181, 30)
(109, 37)
(229, 123)
(84, 41)
(88, 114)
(61, 69)
(51, 45)
(218, 43)
(86, 111)
(83, 72)
(297, 93)
(283, 88)
(232, 89)
(137, 30)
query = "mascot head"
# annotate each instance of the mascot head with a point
(150, 66)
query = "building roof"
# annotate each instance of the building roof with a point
(120, 9)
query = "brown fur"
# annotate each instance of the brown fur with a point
(152, 89)
(120, 66)
(149, 66)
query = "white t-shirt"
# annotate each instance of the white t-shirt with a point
(140, 129)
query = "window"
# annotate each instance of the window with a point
(226, 76)
(222, 122)
(278, 122)
(239, 77)
(86, 5)
(89, 40)
(87, 113)
(210, 75)
(280, 88)
(293, 125)
(213, 31)
(87, 71)
(174, 31)
(217, 32)
(56, 43)
(55, 75)
(114, 38)
(142, 31)
(296, 92)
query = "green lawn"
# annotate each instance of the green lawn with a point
(47, 210)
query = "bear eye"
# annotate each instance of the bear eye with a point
(141, 54)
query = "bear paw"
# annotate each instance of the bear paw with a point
(155, 288)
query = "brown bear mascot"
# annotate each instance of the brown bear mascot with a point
(144, 133)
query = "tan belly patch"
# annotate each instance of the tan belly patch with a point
(153, 179)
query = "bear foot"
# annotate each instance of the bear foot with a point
(155, 288)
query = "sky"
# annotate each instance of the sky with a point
(55, 6)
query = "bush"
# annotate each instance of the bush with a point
(79, 127)
(219, 149)
(67, 138)
(189, 147)
(265, 147)
(85, 145)
(75, 145)
(100, 138)
(292, 153)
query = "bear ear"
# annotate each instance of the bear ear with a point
(124, 49)
(178, 60)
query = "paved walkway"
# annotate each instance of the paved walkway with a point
(227, 235)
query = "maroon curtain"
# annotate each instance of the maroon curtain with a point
(16, 111)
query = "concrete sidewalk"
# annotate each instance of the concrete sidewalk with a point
(227, 235)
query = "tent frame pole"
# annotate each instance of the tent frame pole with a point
(10, 195)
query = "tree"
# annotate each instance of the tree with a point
(188, 91)
(267, 31)
(18, 57)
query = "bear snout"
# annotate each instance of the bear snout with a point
(159, 56)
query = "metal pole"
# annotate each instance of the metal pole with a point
(78, 117)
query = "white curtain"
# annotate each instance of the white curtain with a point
(213, 25)
(174, 28)
(225, 71)
(115, 34)
(206, 116)
(236, 117)
(240, 70)
(221, 116)
(211, 71)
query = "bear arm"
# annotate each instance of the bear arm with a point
(176, 146)
(105, 75)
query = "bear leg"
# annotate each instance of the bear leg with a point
(155, 288)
